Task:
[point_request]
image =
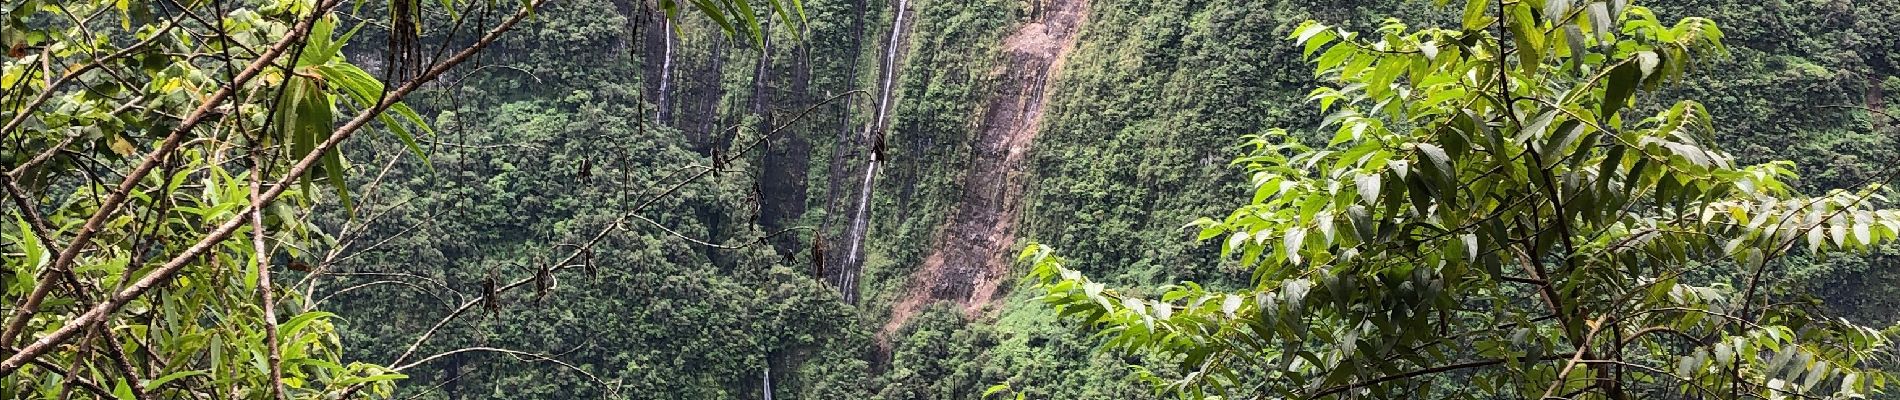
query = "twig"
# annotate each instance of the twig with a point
(418, 288)
(261, 261)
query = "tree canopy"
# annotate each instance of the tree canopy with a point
(1491, 218)
(162, 158)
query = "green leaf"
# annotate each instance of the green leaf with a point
(322, 48)
(316, 50)
(1600, 21)
(709, 9)
(751, 19)
(366, 91)
(1362, 224)
(304, 117)
(36, 256)
(1295, 239)
(1475, 18)
(161, 381)
(1537, 125)
(294, 325)
(1234, 242)
(1573, 39)
(309, 116)
(1312, 37)
(1325, 36)
(333, 166)
(448, 5)
(1622, 83)
(1368, 185)
(125, 13)
(123, 391)
(785, 17)
(1439, 164)
(1555, 9)
(1566, 134)
(1528, 37)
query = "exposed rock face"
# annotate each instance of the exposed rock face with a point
(970, 260)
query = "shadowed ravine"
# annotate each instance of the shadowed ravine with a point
(968, 260)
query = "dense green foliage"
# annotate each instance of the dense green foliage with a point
(560, 131)
(534, 156)
(1121, 220)
(189, 129)
(1150, 105)
(1488, 214)
(219, 128)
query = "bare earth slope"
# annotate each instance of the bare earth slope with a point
(969, 258)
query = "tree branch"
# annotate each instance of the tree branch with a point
(30, 305)
(164, 272)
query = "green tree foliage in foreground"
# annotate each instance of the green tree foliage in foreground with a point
(160, 155)
(143, 257)
(1491, 220)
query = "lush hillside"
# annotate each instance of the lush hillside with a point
(1142, 120)
(685, 205)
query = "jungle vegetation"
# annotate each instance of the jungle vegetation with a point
(924, 199)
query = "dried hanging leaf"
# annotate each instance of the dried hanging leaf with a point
(543, 280)
(818, 256)
(587, 261)
(877, 146)
(491, 297)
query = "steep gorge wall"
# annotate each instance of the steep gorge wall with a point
(967, 263)
(1098, 127)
